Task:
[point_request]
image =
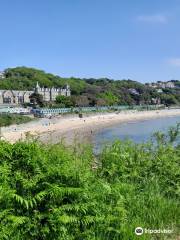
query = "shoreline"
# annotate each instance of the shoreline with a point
(72, 128)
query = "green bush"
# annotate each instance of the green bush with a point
(64, 101)
(109, 97)
(8, 119)
(69, 193)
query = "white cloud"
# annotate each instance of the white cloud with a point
(157, 18)
(174, 62)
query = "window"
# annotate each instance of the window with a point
(7, 100)
(20, 99)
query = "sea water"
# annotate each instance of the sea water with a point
(138, 131)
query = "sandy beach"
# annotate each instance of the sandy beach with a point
(71, 126)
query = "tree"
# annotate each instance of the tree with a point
(64, 101)
(168, 99)
(101, 102)
(80, 101)
(109, 97)
(113, 92)
(37, 99)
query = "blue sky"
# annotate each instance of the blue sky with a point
(136, 39)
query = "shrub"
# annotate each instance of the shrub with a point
(68, 193)
(8, 119)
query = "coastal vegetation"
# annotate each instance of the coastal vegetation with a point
(91, 92)
(9, 119)
(70, 193)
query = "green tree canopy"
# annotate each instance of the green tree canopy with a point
(64, 101)
(37, 99)
(108, 90)
(110, 98)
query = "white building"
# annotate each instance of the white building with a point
(2, 74)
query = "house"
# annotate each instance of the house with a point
(170, 85)
(133, 91)
(2, 74)
(50, 94)
(20, 97)
(159, 90)
(162, 85)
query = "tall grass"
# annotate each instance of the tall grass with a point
(57, 192)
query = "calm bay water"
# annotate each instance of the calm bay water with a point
(139, 131)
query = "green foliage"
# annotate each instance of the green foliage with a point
(169, 99)
(68, 193)
(93, 92)
(23, 78)
(110, 98)
(8, 119)
(80, 101)
(64, 101)
(37, 99)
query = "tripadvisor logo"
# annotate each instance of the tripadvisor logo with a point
(139, 231)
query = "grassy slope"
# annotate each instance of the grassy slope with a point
(8, 119)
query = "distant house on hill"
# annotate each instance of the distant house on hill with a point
(159, 90)
(155, 101)
(162, 85)
(133, 91)
(170, 85)
(20, 97)
(2, 74)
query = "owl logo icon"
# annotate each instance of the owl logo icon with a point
(139, 231)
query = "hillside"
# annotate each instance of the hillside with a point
(90, 92)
